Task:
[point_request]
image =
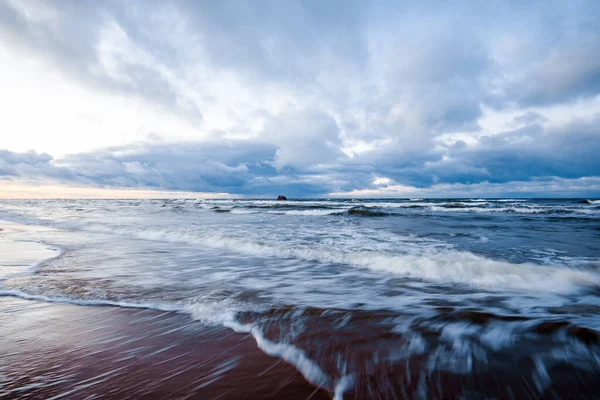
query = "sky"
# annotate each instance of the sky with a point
(301, 98)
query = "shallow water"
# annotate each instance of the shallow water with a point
(406, 298)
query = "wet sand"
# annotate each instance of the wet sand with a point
(18, 256)
(57, 350)
(50, 350)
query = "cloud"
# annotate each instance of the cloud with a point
(553, 187)
(97, 52)
(541, 155)
(190, 166)
(31, 166)
(303, 138)
(300, 97)
(534, 151)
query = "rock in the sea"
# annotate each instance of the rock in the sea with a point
(280, 197)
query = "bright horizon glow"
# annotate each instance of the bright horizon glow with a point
(20, 191)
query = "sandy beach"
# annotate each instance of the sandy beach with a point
(131, 299)
(56, 351)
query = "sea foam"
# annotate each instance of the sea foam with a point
(442, 266)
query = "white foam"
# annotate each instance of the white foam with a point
(343, 384)
(518, 210)
(216, 312)
(244, 211)
(444, 266)
(224, 313)
(90, 302)
(287, 352)
(465, 267)
(220, 313)
(317, 212)
(508, 200)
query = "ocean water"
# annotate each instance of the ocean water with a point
(371, 298)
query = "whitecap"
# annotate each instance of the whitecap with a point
(443, 266)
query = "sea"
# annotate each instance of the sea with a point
(375, 298)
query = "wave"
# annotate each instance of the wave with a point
(313, 212)
(59, 252)
(220, 313)
(364, 212)
(462, 332)
(89, 302)
(467, 206)
(515, 210)
(293, 206)
(389, 208)
(290, 354)
(225, 313)
(244, 211)
(32, 268)
(590, 201)
(508, 200)
(442, 266)
(305, 212)
(371, 208)
(279, 204)
(445, 267)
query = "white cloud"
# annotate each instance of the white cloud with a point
(50, 112)
(335, 98)
(555, 187)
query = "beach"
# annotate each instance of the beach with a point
(50, 350)
(258, 299)
(59, 350)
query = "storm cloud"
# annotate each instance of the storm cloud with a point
(309, 98)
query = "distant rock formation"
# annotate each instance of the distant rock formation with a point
(280, 197)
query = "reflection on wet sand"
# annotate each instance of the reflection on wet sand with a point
(67, 351)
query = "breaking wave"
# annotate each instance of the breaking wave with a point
(443, 266)
(381, 208)
(590, 201)
(297, 286)
(365, 212)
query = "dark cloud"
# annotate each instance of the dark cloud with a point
(442, 61)
(251, 166)
(565, 74)
(569, 151)
(32, 166)
(194, 166)
(390, 76)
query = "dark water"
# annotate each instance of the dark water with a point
(378, 298)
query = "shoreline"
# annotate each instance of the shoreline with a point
(408, 339)
(59, 350)
(21, 255)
